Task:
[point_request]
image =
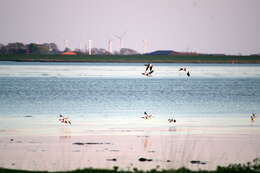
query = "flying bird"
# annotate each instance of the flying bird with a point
(65, 120)
(146, 116)
(148, 69)
(171, 120)
(182, 69)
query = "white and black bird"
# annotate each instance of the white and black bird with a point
(182, 69)
(171, 120)
(146, 116)
(148, 69)
(253, 117)
(188, 74)
(63, 119)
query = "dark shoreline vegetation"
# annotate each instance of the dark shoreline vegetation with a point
(250, 167)
(252, 59)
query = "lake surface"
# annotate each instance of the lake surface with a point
(115, 95)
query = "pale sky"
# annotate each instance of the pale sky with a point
(206, 26)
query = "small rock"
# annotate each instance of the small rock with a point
(151, 151)
(114, 159)
(76, 151)
(144, 159)
(93, 143)
(197, 162)
(114, 150)
(78, 143)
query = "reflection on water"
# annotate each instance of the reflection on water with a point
(172, 128)
(64, 138)
(65, 134)
(146, 142)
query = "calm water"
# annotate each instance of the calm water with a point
(105, 101)
(105, 91)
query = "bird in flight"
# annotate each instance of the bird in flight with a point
(65, 120)
(148, 70)
(171, 120)
(146, 116)
(184, 69)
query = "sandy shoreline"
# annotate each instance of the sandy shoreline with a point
(105, 151)
(44, 144)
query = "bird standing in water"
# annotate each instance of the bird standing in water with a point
(253, 117)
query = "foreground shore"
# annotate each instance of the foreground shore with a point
(31, 143)
(134, 58)
(250, 167)
(128, 152)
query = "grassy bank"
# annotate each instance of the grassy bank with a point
(134, 58)
(250, 167)
(181, 170)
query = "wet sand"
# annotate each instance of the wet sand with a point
(32, 143)
(146, 151)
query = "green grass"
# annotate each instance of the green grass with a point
(250, 167)
(134, 58)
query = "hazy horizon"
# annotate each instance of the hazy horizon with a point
(216, 26)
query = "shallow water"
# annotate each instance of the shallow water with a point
(105, 102)
(113, 96)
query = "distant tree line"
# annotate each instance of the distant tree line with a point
(32, 48)
(52, 48)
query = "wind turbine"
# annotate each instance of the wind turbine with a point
(89, 47)
(81, 47)
(66, 44)
(145, 45)
(120, 37)
(110, 46)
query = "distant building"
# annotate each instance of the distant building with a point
(162, 52)
(170, 52)
(69, 53)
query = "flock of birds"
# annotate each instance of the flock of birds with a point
(65, 120)
(148, 72)
(147, 117)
